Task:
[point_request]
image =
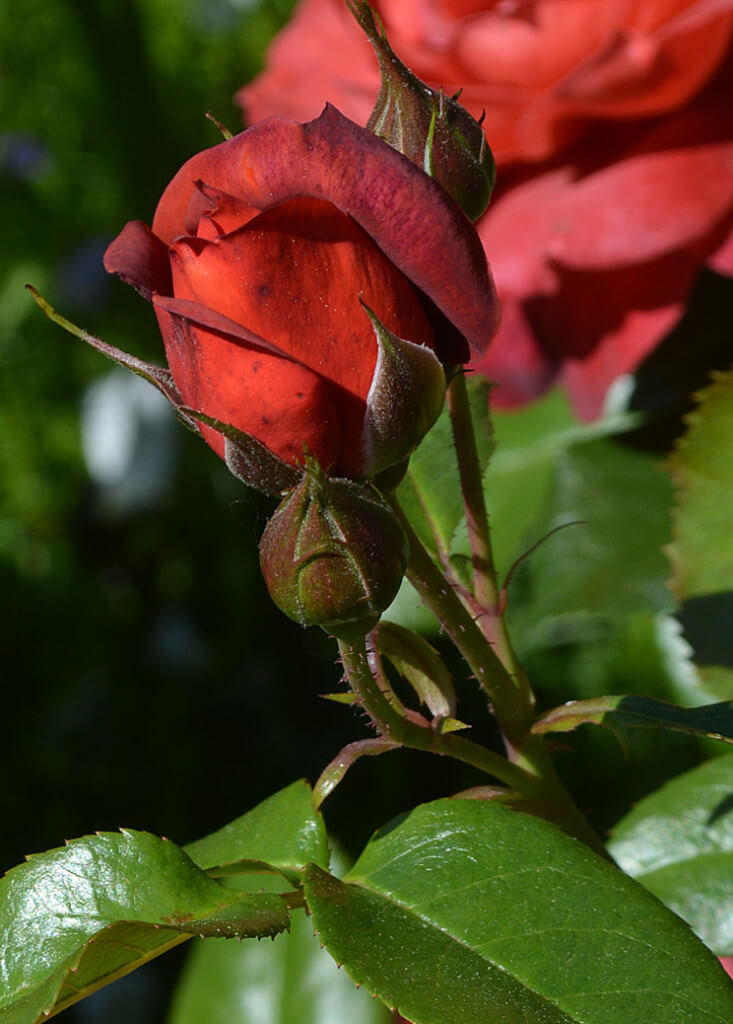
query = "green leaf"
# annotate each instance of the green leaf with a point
(282, 833)
(612, 561)
(713, 720)
(678, 842)
(430, 494)
(290, 981)
(74, 919)
(702, 467)
(519, 477)
(701, 551)
(467, 911)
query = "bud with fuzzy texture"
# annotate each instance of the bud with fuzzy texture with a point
(333, 554)
(432, 129)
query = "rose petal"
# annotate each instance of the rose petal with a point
(140, 259)
(284, 405)
(222, 214)
(642, 207)
(515, 363)
(409, 217)
(300, 81)
(296, 273)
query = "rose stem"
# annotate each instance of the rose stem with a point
(514, 716)
(390, 723)
(527, 751)
(485, 586)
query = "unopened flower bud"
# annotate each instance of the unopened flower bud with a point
(333, 554)
(431, 129)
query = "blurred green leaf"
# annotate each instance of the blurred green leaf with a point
(74, 919)
(611, 562)
(618, 712)
(678, 842)
(465, 910)
(283, 833)
(701, 551)
(430, 494)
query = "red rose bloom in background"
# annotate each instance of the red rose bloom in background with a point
(260, 251)
(612, 125)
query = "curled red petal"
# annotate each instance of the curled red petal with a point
(140, 259)
(281, 403)
(409, 217)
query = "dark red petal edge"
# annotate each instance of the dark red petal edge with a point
(140, 259)
(409, 216)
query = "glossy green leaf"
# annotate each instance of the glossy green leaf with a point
(678, 842)
(74, 919)
(467, 911)
(283, 833)
(701, 551)
(713, 720)
(430, 494)
(290, 981)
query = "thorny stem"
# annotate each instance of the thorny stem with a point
(514, 715)
(537, 780)
(399, 730)
(512, 699)
(485, 584)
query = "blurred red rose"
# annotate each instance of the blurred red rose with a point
(260, 251)
(612, 124)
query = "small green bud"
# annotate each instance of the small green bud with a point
(431, 129)
(333, 554)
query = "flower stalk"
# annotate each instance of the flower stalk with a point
(485, 583)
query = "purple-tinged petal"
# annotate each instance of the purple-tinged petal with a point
(407, 214)
(140, 259)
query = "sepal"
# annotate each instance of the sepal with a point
(159, 376)
(422, 667)
(404, 401)
(248, 459)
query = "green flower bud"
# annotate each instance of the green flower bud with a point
(432, 129)
(333, 554)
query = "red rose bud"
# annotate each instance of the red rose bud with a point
(432, 129)
(333, 554)
(260, 252)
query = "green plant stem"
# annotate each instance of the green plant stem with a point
(392, 726)
(527, 753)
(514, 713)
(534, 778)
(485, 583)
